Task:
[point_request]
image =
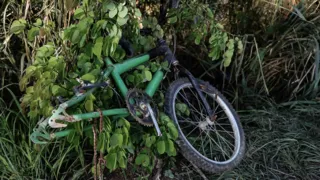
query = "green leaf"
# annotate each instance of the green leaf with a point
(102, 142)
(225, 37)
(126, 124)
(113, 13)
(173, 20)
(55, 89)
(111, 6)
(86, 68)
(137, 12)
(209, 13)
(142, 159)
(97, 48)
(161, 147)
(75, 36)
(181, 107)
(83, 25)
(18, 26)
(173, 131)
(187, 112)
(125, 135)
(121, 159)
(147, 75)
(154, 68)
(122, 21)
(32, 33)
(220, 26)
(230, 44)
(150, 141)
(38, 22)
(141, 67)
(240, 47)
(165, 64)
(123, 13)
(169, 146)
(79, 13)
(82, 59)
(198, 39)
(113, 31)
(116, 140)
(83, 41)
(130, 78)
(227, 57)
(95, 72)
(88, 77)
(89, 105)
(111, 161)
(109, 92)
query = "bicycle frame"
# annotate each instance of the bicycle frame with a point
(115, 70)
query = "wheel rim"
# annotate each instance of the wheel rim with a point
(203, 127)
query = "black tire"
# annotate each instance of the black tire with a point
(186, 149)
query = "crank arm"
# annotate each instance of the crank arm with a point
(154, 120)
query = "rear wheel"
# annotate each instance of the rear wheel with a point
(213, 144)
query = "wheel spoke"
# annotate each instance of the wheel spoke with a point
(217, 139)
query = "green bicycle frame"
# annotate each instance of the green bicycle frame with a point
(115, 70)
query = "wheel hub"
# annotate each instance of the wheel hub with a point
(204, 124)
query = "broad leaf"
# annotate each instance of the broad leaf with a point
(75, 36)
(97, 48)
(122, 21)
(89, 105)
(111, 6)
(161, 147)
(173, 20)
(111, 159)
(142, 159)
(18, 26)
(113, 13)
(123, 13)
(116, 140)
(88, 77)
(32, 33)
(147, 75)
(121, 160)
(173, 131)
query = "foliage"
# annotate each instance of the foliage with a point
(78, 52)
(195, 22)
(21, 159)
(282, 56)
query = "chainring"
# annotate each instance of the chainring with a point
(137, 96)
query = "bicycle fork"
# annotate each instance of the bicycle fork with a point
(195, 84)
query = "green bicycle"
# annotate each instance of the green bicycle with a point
(210, 135)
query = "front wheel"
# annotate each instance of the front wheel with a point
(213, 144)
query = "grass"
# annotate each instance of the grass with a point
(22, 159)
